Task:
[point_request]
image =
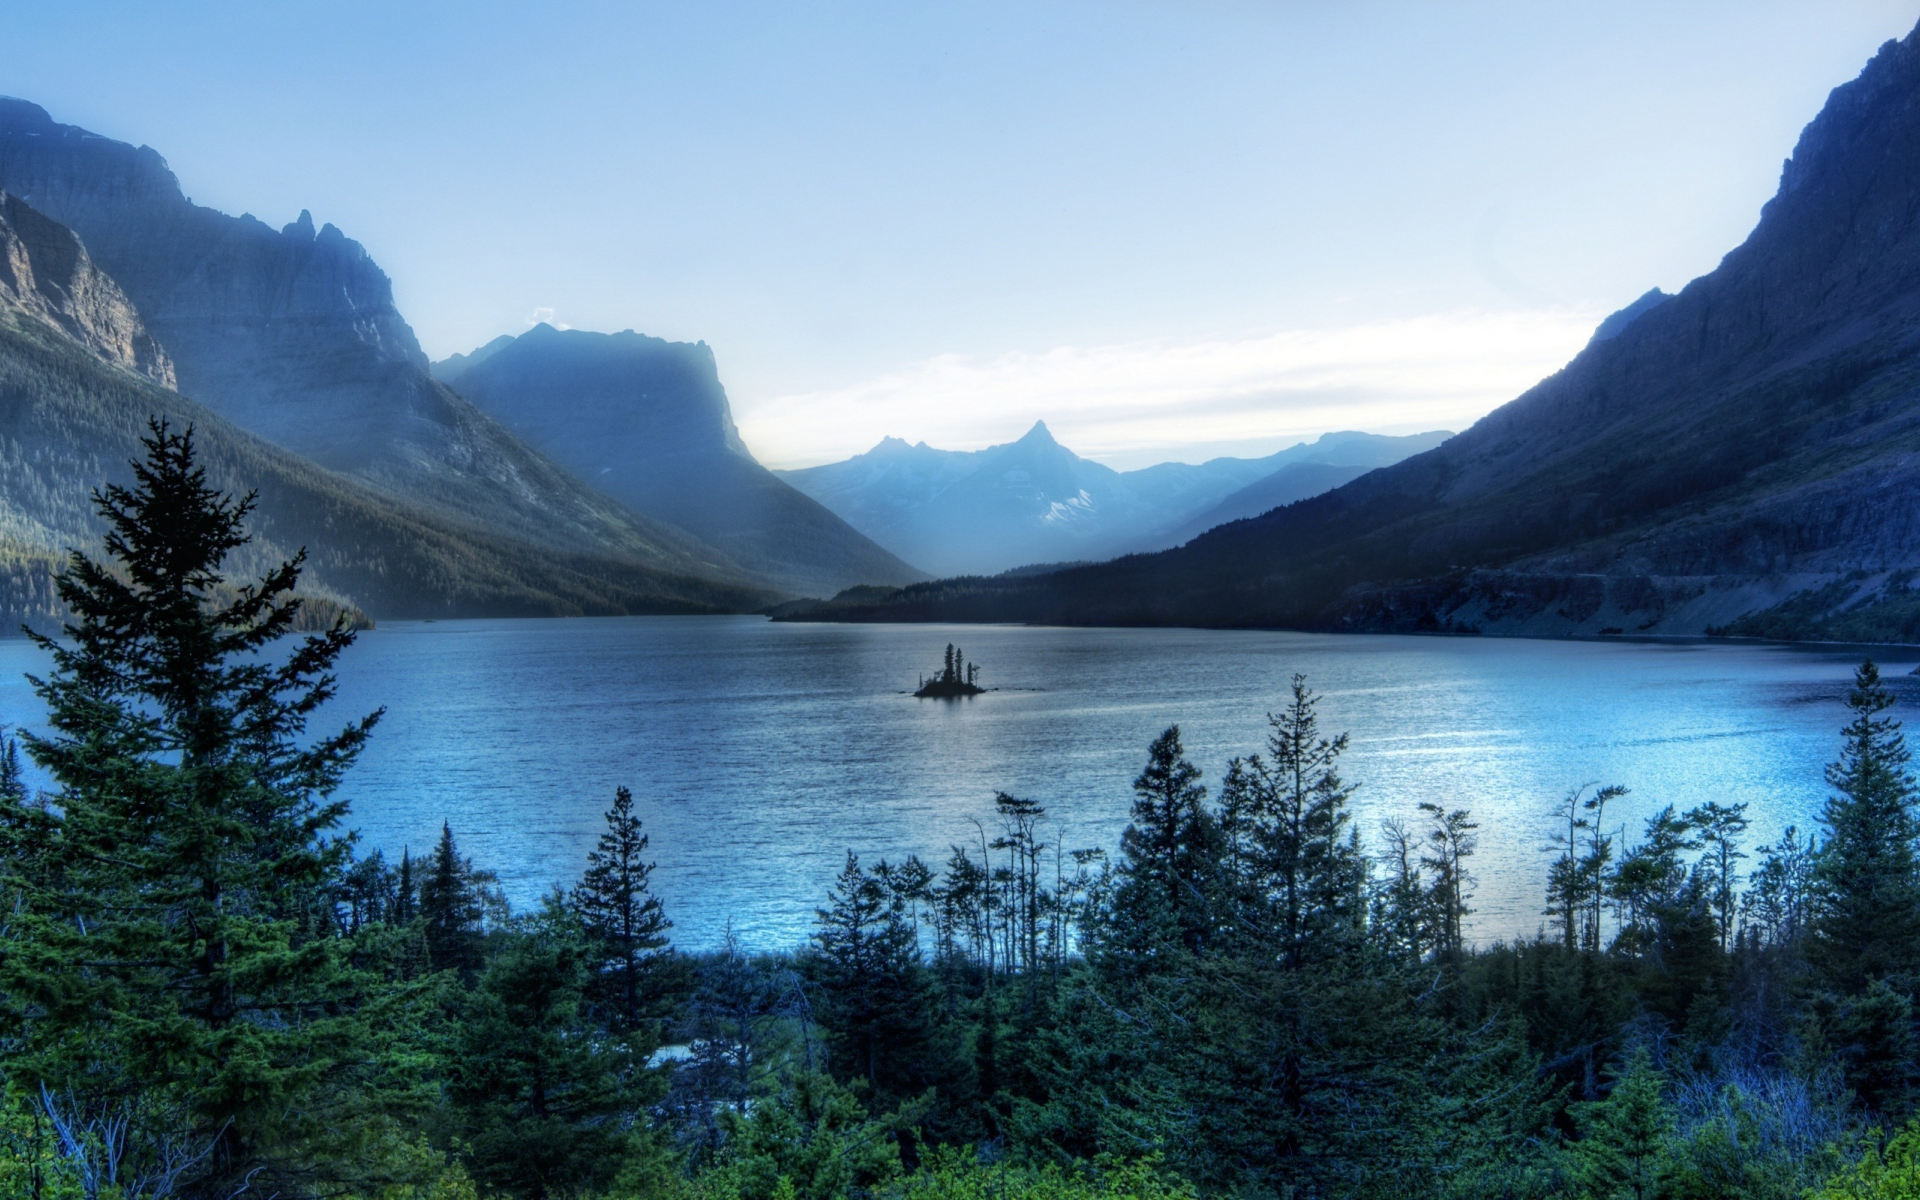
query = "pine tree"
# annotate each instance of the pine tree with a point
(452, 906)
(548, 1100)
(1450, 842)
(160, 937)
(405, 907)
(874, 993)
(1624, 1141)
(1868, 925)
(1720, 827)
(619, 915)
(1169, 858)
(1302, 878)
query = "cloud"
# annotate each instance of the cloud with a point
(544, 316)
(1137, 403)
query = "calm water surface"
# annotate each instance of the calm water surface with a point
(760, 753)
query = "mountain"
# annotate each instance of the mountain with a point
(1308, 469)
(646, 422)
(79, 378)
(1033, 500)
(1743, 456)
(293, 335)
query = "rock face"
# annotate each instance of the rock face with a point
(1745, 453)
(71, 417)
(46, 276)
(646, 422)
(292, 334)
(1033, 500)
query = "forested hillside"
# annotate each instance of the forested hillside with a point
(207, 991)
(69, 421)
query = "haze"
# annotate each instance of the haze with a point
(1169, 230)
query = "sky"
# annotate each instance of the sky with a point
(1170, 230)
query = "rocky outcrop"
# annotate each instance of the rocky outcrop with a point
(47, 276)
(292, 334)
(647, 422)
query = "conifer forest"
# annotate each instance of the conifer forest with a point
(209, 989)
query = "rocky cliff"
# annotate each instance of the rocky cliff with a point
(1744, 455)
(647, 422)
(46, 276)
(292, 334)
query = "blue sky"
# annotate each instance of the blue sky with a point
(1168, 229)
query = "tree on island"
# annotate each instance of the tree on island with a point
(957, 677)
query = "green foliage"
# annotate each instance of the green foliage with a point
(875, 995)
(539, 1088)
(814, 1142)
(1625, 1146)
(622, 920)
(955, 1175)
(204, 992)
(168, 968)
(1868, 872)
(32, 1164)
(1891, 1172)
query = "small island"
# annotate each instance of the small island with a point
(956, 679)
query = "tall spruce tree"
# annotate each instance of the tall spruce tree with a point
(1300, 876)
(1170, 854)
(453, 909)
(1868, 871)
(550, 1104)
(160, 973)
(622, 920)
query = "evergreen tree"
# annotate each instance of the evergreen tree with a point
(619, 915)
(874, 999)
(1302, 878)
(1720, 827)
(1868, 874)
(548, 1100)
(1624, 1146)
(453, 909)
(159, 972)
(405, 905)
(1169, 854)
(1450, 842)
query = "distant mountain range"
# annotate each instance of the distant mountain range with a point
(1743, 456)
(1034, 501)
(646, 422)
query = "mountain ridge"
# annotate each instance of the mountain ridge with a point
(293, 335)
(1743, 456)
(983, 512)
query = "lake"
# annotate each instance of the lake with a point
(760, 753)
